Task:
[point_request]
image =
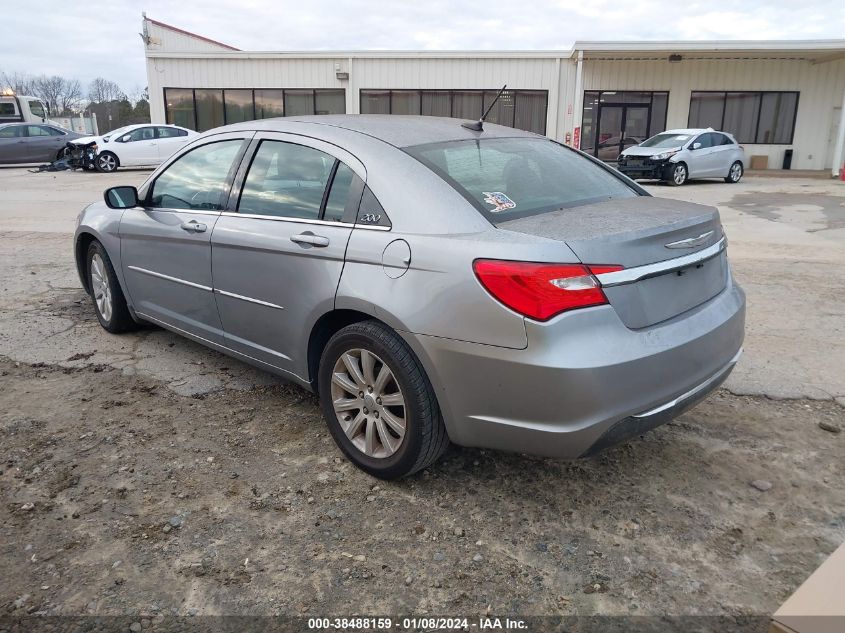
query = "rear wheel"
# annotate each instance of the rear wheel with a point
(378, 403)
(107, 162)
(678, 175)
(106, 294)
(735, 173)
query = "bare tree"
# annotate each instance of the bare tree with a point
(60, 95)
(19, 83)
(102, 90)
(71, 98)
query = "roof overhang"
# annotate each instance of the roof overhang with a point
(809, 50)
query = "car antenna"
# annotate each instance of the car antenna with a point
(478, 126)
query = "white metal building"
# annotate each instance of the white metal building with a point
(774, 96)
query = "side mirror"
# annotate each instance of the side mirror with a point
(126, 138)
(121, 197)
(696, 145)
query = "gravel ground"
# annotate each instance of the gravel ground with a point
(143, 475)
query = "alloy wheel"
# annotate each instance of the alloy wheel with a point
(736, 172)
(679, 175)
(368, 403)
(100, 287)
(107, 162)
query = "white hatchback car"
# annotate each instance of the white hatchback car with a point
(680, 155)
(138, 145)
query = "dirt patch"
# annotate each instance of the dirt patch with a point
(823, 212)
(118, 496)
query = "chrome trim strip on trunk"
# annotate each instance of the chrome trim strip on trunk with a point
(689, 394)
(630, 275)
(226, 293)
(184, 282)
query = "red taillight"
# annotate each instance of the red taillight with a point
(540, 291)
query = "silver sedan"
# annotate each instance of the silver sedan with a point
(432, 282)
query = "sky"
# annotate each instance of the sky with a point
(84, 40)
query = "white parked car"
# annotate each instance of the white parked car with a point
(137, 145)
(680, 155)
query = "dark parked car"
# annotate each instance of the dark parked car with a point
(32, 142)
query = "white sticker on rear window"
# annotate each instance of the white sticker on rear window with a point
(499, 201)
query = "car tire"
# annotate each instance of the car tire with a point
(678, 175)
(366, 429)
(735, 173)
(107, 162)
(106, 293)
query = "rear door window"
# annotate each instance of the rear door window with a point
(339, 193)
(13, 131)
(286, 180)
(508, 178)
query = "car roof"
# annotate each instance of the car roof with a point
(690, 130)
(397, 130)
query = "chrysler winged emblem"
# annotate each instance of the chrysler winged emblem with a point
(690, 242)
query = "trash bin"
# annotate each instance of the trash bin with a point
(787, 159)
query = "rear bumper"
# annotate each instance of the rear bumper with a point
(585, 381)
(635, 425)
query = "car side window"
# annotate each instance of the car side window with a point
(339, 193)
(36, 130)
(286, 180)
(198, 179)
(725, 139)
(13, 131)
(704, 140)
(52, 131)
(167, 132)
(142, 134)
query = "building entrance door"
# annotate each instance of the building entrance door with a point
(619, 127)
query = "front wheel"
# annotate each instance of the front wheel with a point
(678, 174)
(106, 293)
(735, 173)
(106, 162)
(378, 402)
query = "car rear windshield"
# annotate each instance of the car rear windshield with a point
(508, 178)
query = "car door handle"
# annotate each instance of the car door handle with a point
(310, 239)
(194, 227)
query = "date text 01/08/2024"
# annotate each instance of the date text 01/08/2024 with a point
(421, 623)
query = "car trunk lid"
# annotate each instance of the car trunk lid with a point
(671, 252)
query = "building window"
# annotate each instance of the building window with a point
(613, 120)
(522, 109)
(269, 104)
(239, 105)
(209, 108)
(179, 107)
(752, 117)
(202, 109)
